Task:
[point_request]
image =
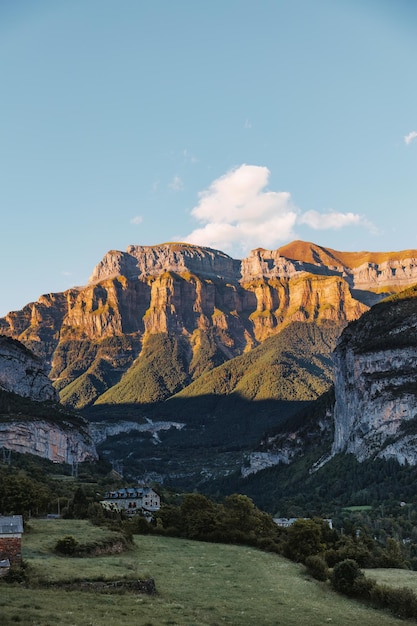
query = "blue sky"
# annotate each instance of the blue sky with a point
(231, 123)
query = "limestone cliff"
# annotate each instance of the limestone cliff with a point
(140, 261)
(375, 366)
(31, 421)
(368, 274)
(215, 308)
(21, 372)
(59, 442)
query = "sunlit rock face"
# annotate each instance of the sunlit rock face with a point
(90, 336)
(375, 367)
(140, 261)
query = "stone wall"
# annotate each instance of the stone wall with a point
(11, 548)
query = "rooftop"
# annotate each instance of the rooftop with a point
(10, 525)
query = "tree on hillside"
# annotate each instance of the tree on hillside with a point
(306, 537)
(199, 516)
(20, 495)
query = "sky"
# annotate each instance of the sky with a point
(233, 124)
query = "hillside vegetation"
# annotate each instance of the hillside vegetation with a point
(294, 365)
(390, 324)
(13, 406)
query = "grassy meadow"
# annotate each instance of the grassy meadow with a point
(197, 584)
(394, 577)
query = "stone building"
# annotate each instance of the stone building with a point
(11, 530)
(132, 500)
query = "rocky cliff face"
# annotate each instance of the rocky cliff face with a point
(376, 383)
(23, 425)
(62, 443)
(139, 261)
(21, 372)
(217, 308)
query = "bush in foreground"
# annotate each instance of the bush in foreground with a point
(317, 567)
(345, 574)
(347, 578)
(401, 602)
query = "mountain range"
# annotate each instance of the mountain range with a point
(198, 365)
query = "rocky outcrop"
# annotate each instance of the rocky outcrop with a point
(62, 443)
(100, 431)
(368, 274)
(375, 366)
(140, 261)
(309, 430)
(23, 425)
(21, 372)
(257, 461)
(217, 308)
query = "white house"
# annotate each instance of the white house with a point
(132, 500)
(286, 522)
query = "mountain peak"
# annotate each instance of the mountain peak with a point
(308, 252)
(173, 257)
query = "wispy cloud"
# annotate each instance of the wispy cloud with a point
(332, 220)
(188, 157)
(247, 124)
(410, 137)
(176, 184)
(138, 219)
(238, 213)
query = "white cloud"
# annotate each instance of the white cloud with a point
(410, 137)
(247, 124)
(238, 213)
(176, 184)
(138, 219)
(331, 220)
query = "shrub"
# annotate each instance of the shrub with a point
(344, 576)
(317, 567)
(269, 545)
(18, 573)
(66, 546)
(401, 602)
(379, 595)
(363, 587)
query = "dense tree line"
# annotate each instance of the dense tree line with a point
(292, 490)
(238, 520)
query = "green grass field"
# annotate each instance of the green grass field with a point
(394, 577)
(197, 584)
